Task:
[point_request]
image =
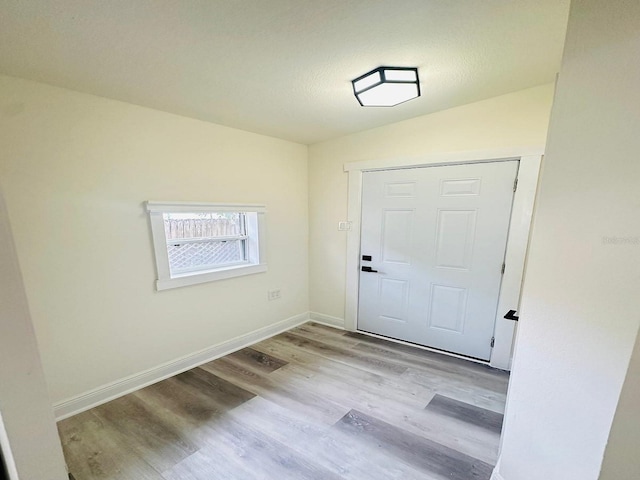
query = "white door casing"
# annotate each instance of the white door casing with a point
(437, 238)
(523, 204)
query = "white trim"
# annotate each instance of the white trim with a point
(5, 448)
(189, 207)
(219, 274)
(522, 211)
(495, 475)
(515, 256)
(445, 158)
(121, 387)
(327, 320)
(354, 213)
(159, 245)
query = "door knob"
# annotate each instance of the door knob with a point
(369, 269)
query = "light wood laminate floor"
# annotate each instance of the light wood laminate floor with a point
(311, 403)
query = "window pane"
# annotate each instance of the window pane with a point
(205, 240)
(193, 256)
(203, 225)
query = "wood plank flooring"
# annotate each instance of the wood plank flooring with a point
(311, 403)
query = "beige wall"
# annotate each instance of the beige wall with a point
(25, 408)
(515, 120)
(76, 169)
(621, 458)
(579, 313)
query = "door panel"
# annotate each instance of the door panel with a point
(394, 299)
(448, 308)
(400, 189)
(455, 235)
(437, 238)
(397, 229)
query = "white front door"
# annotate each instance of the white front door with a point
(432, 248)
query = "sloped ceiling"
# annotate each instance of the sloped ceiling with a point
(282, 67)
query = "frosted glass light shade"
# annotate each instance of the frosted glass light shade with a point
(387, 86)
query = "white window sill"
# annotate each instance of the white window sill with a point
(210, 276)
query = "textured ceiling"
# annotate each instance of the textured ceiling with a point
(282, 67)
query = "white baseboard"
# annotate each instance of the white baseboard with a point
(327, 320)
(100, 395)
(496, 472)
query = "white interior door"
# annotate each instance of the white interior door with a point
(433, 241)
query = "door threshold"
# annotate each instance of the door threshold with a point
(428, 349)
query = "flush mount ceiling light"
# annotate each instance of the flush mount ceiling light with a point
(387, 86)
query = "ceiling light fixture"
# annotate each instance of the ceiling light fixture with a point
(387, 86)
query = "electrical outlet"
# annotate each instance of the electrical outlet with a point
(273, 294)
(344, 226)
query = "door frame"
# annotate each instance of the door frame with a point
(517, 241)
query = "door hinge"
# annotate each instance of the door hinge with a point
(503, 268)
(493, 341)
(515, 184)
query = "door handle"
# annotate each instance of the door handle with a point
(511, 315)
(369, 269)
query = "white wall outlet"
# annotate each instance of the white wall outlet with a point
(273, 294)
(344, 226)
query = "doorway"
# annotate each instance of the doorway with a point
(522, 211)
(433, 242)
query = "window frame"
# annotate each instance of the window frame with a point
(256, 242)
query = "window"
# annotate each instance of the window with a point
(202, 242)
